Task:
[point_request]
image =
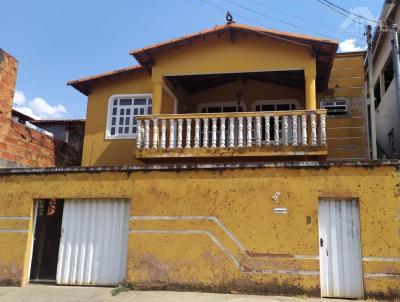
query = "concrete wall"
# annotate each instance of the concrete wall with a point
(215, 228)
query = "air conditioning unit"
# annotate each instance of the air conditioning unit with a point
(337, 106)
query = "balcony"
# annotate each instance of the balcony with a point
(299, 133)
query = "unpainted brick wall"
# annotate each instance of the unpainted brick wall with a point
(8, 77)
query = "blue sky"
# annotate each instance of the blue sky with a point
(60, 40)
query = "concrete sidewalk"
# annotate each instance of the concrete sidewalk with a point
(50, 293)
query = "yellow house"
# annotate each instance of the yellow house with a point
(233, 159)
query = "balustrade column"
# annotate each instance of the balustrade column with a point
(313, 129)
(294, 131)
(163, 139)
(139, 133)
(214, 133)
(240, 132)
(172, 134)
(180, 134)
(267, 130)
(285, 130)
(205, 132)
(231, 132)
(196, 133)
(146, 134)
(323, 129)
(155, 133)
(249, 132)
(222, 133)
(258, 131)
(188, 132)
(276, 130)
(304, 130)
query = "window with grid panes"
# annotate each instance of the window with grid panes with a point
(122, 110)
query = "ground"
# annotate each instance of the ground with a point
(49, 293)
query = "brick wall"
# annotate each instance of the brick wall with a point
(20, 145)
(8, 77)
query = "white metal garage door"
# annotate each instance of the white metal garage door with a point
(340, 254)
(94, 238)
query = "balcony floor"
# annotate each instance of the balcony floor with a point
(245, 152)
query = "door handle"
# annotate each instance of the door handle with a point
(321, 242)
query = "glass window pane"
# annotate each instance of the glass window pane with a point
(134, 122)
(120, 130)
(149, 110)
(127, 111)
(135, 111)
(127, 119)
(121, 120)
(125, 102)
(126, 130)
(140, 101)
(141, 111)
(149, 101)
(115, 103)
(122, 111)
(268, 108)
(114, 112)
(214, 109)
(240, 109)
(133, 129)
(113, 121)
(112, 131)
(229, 109)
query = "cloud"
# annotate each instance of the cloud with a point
(350, 45)
(19, 98)
(37, 108)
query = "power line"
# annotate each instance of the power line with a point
(279, 20)
(346, 11)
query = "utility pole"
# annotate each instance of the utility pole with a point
(396, 64)
(371, 94)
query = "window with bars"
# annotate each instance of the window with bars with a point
(122, 110)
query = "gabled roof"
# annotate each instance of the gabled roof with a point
(84, 85)
(323, 49)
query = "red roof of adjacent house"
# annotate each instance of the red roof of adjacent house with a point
(323, 49)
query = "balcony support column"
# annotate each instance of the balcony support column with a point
(311, 98)
(157, 97)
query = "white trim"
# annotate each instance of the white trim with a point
(275, 102)
(225, 250)
(201, 106)
(383, 259)
(13, 231)
(36, 205)
(14, 217)
(107, 134)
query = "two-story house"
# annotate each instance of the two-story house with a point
(233, 159)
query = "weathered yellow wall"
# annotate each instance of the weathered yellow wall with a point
(189, 245)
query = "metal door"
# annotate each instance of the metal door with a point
(94, 238)
(340, 254)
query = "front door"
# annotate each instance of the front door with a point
(339, 251)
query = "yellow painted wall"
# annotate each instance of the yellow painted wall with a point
(191, 248)
(97, 150)
(348, 136)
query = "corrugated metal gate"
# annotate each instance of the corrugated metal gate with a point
(94, 238)
(340, 253)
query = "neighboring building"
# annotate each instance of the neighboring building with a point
(387, 109)
(21, 143)
(234, 159)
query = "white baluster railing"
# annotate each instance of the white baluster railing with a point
(232, 130)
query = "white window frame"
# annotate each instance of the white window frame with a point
(201, 106)
(276, 102)
(109, 114)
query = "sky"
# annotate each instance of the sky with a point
(56, 41)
